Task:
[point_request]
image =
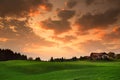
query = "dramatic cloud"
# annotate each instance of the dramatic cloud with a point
(20, 36)
(65, 14)
(115, 2)
(107, 3)
(89, 2)
(71, 3)
(14, 28)
(58, 26)
(20, 8)
(113, 36)
(102, 20)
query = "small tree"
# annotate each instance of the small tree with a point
(111, 55)
(62, 59)
(37, 59)
(51, 60)
(74, 59)
(30, 58)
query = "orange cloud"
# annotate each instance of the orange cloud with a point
(116, 30)
(65, 39)
(3, 39)
(113, 36)
(34, 13)
(46, 7)
(99, 33)
(43, 7)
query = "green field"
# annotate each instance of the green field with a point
(79, 70)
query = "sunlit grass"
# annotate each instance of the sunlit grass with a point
(79, 70)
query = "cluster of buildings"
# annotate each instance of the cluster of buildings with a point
(103, 56)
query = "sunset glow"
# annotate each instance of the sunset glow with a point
(60, 28)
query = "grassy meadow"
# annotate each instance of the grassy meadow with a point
(79, 70)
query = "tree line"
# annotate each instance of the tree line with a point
(7, 54)
(93, 57)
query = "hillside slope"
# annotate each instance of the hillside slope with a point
(80, 70)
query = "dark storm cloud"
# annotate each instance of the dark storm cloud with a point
(71, 3)
(109, 3)
(18, 31)
(58, 26)
(65, 14)
(89, 2)
(113, 1)
(18, 8)
(100, 20)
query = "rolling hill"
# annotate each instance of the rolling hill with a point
(79, 70)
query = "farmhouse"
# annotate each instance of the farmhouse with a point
(99, 56)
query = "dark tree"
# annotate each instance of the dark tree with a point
(51, 60)
(74, 59)
(37, 59)
(111, 55)
(7, 54)
(30, 58)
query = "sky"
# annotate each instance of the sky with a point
(60, 28)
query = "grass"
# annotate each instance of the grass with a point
(79, 70)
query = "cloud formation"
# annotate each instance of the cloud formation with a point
(21, 8)
(89, 2)
(65, 14)
(71, 3)
(101, 20)
(113, 36)
(23, 28)
(59, 26)
(23, 36)
(20, 27)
